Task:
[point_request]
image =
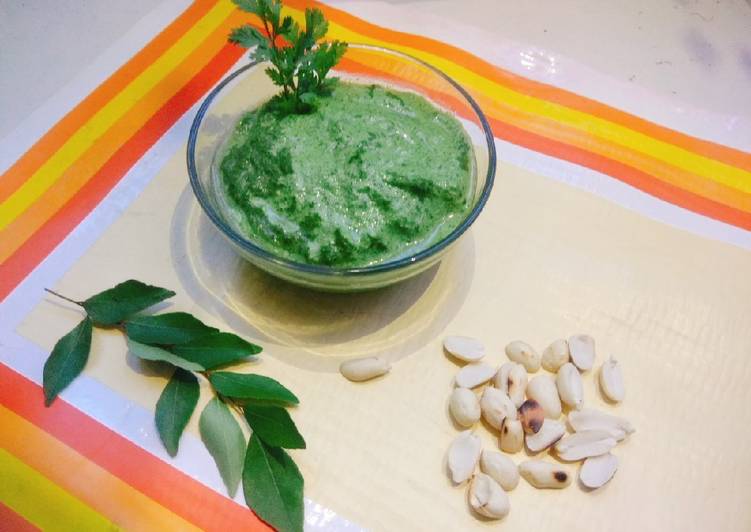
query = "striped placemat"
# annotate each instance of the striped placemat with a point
(48, 456)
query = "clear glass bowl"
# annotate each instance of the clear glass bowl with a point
(249, 87)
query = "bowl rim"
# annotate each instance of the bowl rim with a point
(387, 266)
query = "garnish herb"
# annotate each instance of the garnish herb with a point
(272, 483)
(299, 61)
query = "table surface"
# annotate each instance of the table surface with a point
(561, 248)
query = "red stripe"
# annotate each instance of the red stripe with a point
(39, 245)
(618, 170)
(10, 521)
(156, 479)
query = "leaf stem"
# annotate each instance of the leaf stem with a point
(79, 303)
(226, 400)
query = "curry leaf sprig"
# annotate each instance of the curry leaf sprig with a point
(299, 61)
(272, 483)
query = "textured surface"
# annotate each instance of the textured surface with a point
(544, 261)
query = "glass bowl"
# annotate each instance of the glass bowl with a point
(249, 87)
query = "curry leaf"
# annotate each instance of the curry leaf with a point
(67, 360)
(274, 426)
(223, 438)
(114, 305)
(174, 408)
(273, 486)
(251, 387)
(216, 350)
(150, 352)
(167, 329)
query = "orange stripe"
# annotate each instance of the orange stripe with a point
(156, 479)
(85, 480)
(659, 170)
(10, 521)
(623, 172)
(78, 116)
(75, 176)
(550, 93)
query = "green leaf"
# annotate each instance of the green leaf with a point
(273, 486)
(223, 438)
(255, 7)
(167, 329)
(150, 352)
(273, 10)
(289, 29)
(174, 408)
(252, 387)
(216, 350)
(67, 360)
(247, 36)
(326, 56)
(316, 24)
(297, 67)
(275, 76)
(274, 426)
(114, 305)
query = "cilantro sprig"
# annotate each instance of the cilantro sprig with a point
(272, 483)
(300, 61)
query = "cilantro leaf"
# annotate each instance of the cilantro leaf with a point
(316, 25)
(247, 36)
(299, 61)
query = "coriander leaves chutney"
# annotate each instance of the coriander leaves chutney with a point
(372, 174)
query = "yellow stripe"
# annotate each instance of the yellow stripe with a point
(42, 503)
(608, 131)
(82, 478)
(85, 137)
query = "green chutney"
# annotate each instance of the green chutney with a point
(372, 174)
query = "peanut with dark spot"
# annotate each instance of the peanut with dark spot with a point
(532, 415)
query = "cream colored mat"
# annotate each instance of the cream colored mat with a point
(544, 260)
